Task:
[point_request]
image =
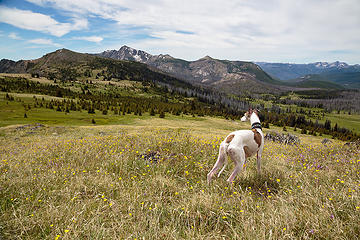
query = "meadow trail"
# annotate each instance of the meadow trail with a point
(123, 182)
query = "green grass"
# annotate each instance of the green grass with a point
(351, 122)
(98, 182)
(12, 112)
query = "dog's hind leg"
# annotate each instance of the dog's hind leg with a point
(220, 161)
(238, 156)
(225, 163)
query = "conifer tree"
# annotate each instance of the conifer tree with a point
(152, 112)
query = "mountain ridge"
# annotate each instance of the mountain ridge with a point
(228, 76)
(286, 71)
(64, 65)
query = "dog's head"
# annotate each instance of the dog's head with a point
(247, 114)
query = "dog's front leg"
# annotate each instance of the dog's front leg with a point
(258, 159)
(258, 162)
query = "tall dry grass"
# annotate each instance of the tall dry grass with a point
(152, 185)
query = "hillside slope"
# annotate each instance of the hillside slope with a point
(227, 76)
(348, 80)
(65, 65)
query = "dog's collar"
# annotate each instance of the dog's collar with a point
(256, 125)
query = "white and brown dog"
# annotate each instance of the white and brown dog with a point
(240, 145)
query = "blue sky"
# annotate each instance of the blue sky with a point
(300, 31)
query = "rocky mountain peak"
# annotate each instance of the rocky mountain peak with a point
(326, 65)
(207, 57)
(127, 53)
(165, 56)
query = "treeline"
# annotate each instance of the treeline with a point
(125, 70)
(151, 77)
(111, 70)
(170, 99)
(195, 103)
(308, 126)
(329, 100)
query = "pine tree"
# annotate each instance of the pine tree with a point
(335, 127)
(152, 112)
(91, 110)
(327, 124)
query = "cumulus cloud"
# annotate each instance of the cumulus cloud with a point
(14, 36)
(95, 39)
(39, 22)
(43, 41)
(236, 29)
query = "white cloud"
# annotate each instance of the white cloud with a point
(95, 39)
(39, 22)
(43, 41)
(14, 36)
(271, 30)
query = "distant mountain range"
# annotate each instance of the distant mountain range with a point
(227, 76)
(286, 71)
(230, 77)
(340, 73)
(239, 76)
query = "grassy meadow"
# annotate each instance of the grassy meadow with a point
(144, 177)
(147, 180)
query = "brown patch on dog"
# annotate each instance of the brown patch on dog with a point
(257, 137)
(230, 138)
(247, 152)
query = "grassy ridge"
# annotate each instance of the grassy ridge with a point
(150, 182)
